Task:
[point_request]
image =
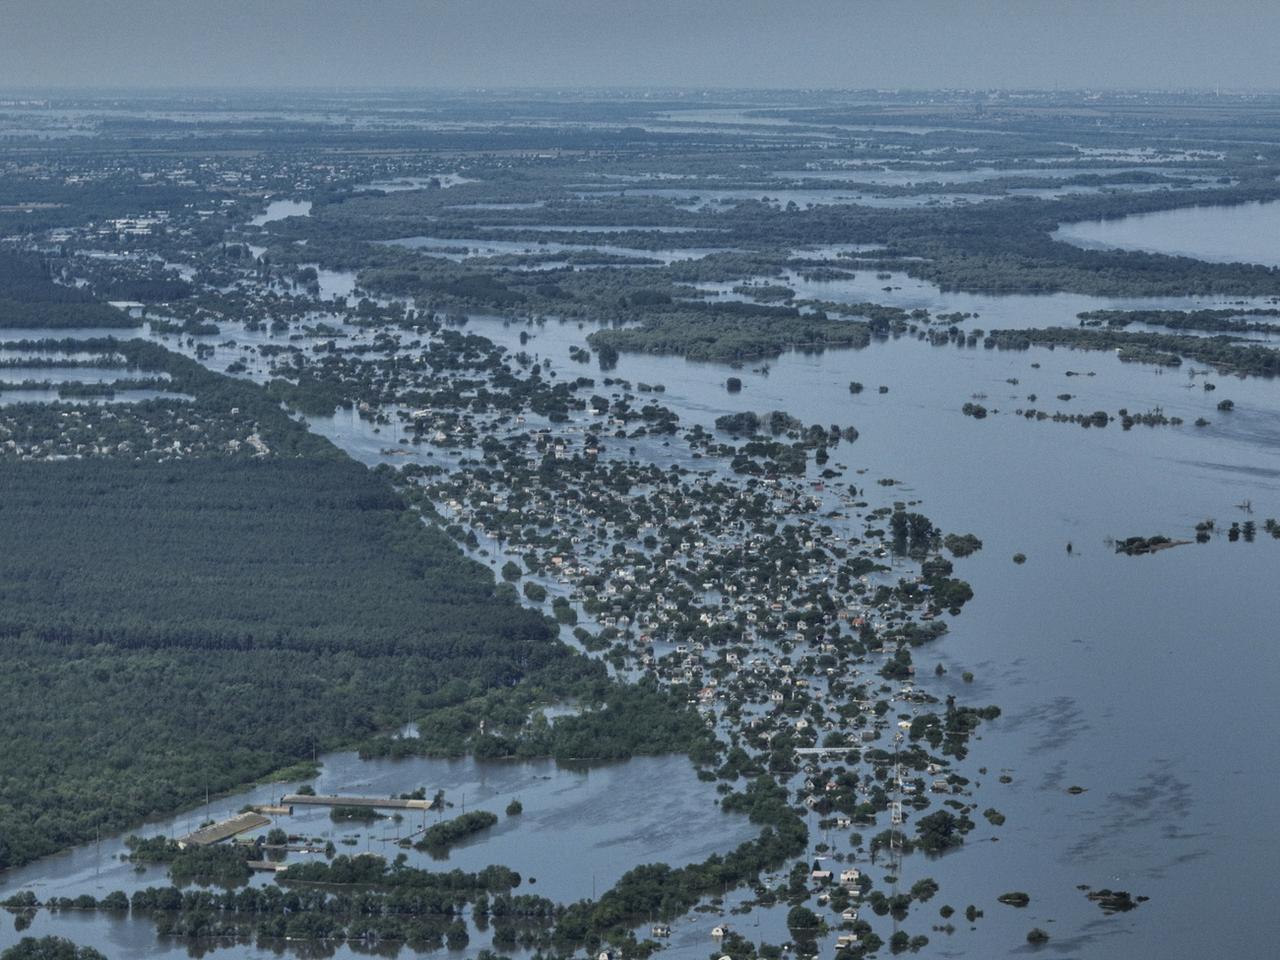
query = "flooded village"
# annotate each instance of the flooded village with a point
(688, 446)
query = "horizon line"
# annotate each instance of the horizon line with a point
(638, 88)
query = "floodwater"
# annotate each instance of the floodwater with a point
(923, 173)
(16, 375)
(9, 397)
(1243, 233)
(694, 198)
(575, 228)
(279, 209)
(440, 182)
(1147, 681)
(611, 816)
(1111, 671)
(987, 311)
(459, 250)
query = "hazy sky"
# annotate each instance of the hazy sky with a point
(469, 43)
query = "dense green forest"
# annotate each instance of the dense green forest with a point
(729, 335)
(172, 624)
(30, 298)
(49, 948)
(279, 554)
(194, 614)
(172, 627)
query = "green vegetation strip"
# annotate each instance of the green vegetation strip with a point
(197, 623)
